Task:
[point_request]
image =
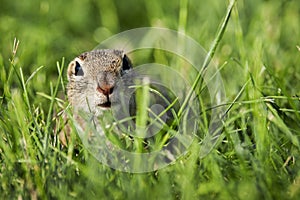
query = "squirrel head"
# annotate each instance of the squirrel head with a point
(93, 76)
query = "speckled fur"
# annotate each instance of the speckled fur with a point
(100, 68)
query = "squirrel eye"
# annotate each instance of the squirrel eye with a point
(78, 69)
(126, 63)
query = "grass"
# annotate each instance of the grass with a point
(258, 151)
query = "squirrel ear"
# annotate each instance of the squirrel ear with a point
(71, 69)
(126, 63)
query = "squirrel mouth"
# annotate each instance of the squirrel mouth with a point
(105, 105)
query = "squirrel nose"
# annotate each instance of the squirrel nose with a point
(105, 89)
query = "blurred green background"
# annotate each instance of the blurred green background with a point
(50, 30)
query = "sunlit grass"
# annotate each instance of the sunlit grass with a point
(258, 151)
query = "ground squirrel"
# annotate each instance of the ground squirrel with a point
(94, 87)
(92, 77)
